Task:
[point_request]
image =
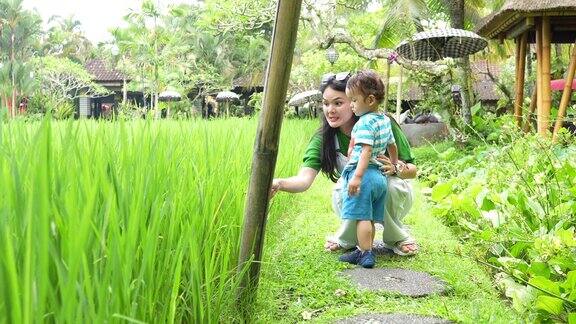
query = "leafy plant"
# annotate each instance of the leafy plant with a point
(515, 202)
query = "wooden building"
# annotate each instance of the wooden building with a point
(113, 80)
(543, 23)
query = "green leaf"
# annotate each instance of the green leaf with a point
(570, 283)
(468, 205)
(565, 262)
(487, 204)
(539, 269)
(517, 249)
(545, 284)
(567, 237)
(549, 304)
(572, 318)
(441, 191)
(476, 108)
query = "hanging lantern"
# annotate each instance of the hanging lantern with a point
(331, 54)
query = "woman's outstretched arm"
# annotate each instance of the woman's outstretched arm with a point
(298, 183)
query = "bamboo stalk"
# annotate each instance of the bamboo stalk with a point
(266, 148)
(399, 95)
(520, 72)
(531, 109)
(566, 94)
(538, 74)
(546, 91)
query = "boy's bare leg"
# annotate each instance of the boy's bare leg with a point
(365, 232)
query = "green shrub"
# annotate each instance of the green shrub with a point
(516, 202)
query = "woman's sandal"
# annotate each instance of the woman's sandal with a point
(332, 246)
(397, 248)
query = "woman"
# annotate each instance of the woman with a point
(327, 151)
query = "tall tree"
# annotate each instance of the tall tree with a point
(456, 13)
(20, 30)
(142, 43)
(65, 38)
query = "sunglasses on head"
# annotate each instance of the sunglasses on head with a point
(340, 77)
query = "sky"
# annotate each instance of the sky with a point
(96, 16)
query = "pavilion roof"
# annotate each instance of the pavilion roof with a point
(517, 16)
(103, 72)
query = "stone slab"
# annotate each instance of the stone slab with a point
(392, 319)
(422, 134)
(401, 281)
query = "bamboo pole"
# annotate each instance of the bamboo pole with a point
(529, 119)
(566, 95)
(538, 74)
(399, 95)
(387, 85)
(544, 125)
(520, 72)
(266, 148)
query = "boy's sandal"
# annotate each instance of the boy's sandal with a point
(397, 248)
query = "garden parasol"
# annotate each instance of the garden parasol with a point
(437, 44)
(304, 97)
(226, 97)
(169, 95)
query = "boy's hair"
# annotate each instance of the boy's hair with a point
(367, 82)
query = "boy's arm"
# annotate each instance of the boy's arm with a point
(354, 184)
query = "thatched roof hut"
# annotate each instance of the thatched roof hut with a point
(542, 22)
(517, 16)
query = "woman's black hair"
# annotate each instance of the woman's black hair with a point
(328, 156)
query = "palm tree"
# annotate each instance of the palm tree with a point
(65, 38)
(20, 30)
(141, 43)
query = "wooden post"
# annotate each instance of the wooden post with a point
(387, 85)
(546, 91)
(520, 72)
(399, 95)
(266, 147)
(124, 91)
(533, 103)
(538, 74)
(566, 95)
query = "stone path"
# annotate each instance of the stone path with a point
(401, 281)
(392, 319)
(461, 290)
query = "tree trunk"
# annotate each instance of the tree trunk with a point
(467, 93)
(12, 104)
(456, 10)
(124, 91)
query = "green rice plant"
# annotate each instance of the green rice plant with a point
(128, 221)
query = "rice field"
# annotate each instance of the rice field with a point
(126, 222)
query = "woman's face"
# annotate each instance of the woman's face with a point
(336, 107)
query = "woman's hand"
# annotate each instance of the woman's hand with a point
(387, 167)
(276, 183)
